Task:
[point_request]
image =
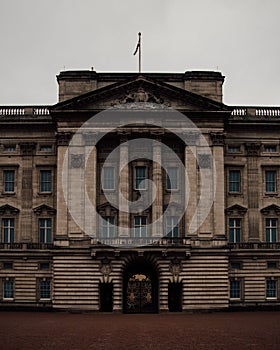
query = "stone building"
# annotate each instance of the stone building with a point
(231, 259)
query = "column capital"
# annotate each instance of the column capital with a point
(63, 138)
(124, 134)
(190, 137)
(253, 149)
(90, 138)
(217, 138)
(157, 134)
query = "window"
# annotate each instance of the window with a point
(234, 149)
(46, 148)
(235, 289)
(44, 288)
(8, 226)
(234, 230)
(172, 226)
(44, 266)
(8, 289)
(235, 265)
(108, 181)
(140, 177)
(7, 265)
(271, 288)
(270, 181)
(172, 178)
(270, 148)
(140, 228)
(9, 180)
(45, 230)
(234, 181)
(9, 148)
(108, 227)
(45, 181)
(272, 265)
(271, 230)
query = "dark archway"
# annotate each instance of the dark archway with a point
(140, 287)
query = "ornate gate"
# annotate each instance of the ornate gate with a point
(139, 294)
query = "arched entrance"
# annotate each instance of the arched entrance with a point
(140, 288)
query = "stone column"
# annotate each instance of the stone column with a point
(27, 152)
(191, 182)
(91, 225)
(157, 206)
(253, 150)
(123, 185)
(219, 199)
(63, 139)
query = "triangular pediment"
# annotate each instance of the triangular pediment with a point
(236, 209)
(44, 209)
(8, 209)
(271, 209)
(140, 90)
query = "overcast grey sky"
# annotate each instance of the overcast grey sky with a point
(40, 38)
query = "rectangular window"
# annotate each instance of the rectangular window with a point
(234, 149)
(234, 230)
(172, 226)
(108, 227)
(235, 289)
(270, 148)
(235, 265)
(140, 177)
(271, 288)
(45, 181)
(44, 289)
(9, 148)
(270, 181)
(45, 230)
(9, 180)
(234, 181)
(108, 181)
(271, 230)
(44, 266)
(140, 228)
(172, 178)
(8, 226)
(7, 265)
(46, 148)
(8, 289)
(272, 265)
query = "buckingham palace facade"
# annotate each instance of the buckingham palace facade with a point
(181, 252)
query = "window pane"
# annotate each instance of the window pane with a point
(140, 228)
(8, 230)
(234, 181)
(234, 230)
(8, 289)
(45, 232)
(9, 180)
(172, 178)
(172, 226)
(271, 229)
(270, 181)
(140, 177)
(271, 289)
(46, 181)
(235, 290)
(108, 227)
(45, 289)
(108, 178)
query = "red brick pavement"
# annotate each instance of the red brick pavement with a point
(236, 330)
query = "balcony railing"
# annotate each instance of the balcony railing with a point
(16, 111)
(147, 241)
(254, 245)
(26, 245)
(255, 113)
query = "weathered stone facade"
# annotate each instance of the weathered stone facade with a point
(231, 260)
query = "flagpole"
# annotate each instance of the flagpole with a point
(139, 34)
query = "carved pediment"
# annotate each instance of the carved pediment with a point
(271, 209)
(8, 209)
(106, 209)
(236, 209)
(44, 209)
(139, 90)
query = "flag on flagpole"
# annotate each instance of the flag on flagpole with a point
(138, 45)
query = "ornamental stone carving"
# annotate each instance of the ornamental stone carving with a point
(217, 138)
(253, 149)
(141, 96)
(76, 160)
(63, 138)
